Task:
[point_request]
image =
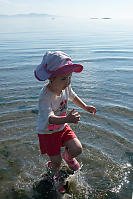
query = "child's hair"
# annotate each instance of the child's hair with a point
(52, 79)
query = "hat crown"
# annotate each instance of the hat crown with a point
(54, 60)
(55, 63)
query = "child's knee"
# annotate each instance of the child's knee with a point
(79, 150)
(76, 151)
(74, 147)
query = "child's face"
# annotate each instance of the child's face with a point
(62, 81)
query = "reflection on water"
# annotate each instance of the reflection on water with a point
(106, 52)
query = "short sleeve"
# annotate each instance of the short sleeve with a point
(45, 110)
(72, 94)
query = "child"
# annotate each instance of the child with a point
(52, 127)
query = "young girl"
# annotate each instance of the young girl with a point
(52, 126)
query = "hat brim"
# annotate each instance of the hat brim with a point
(42, 75)
(66, 69)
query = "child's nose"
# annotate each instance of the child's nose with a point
(68, 82)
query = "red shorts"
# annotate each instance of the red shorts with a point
(51, 143)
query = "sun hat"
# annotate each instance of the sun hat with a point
(54, 64)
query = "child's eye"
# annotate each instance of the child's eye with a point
(63, 79)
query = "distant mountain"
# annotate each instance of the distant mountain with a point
(106, 18)
(29, 15)
(100, 18)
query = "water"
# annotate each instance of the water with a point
(105, 49)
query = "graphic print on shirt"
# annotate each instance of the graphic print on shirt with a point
(62, 110)
(63, 106)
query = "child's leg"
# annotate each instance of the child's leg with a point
(74, 147)
(55, 162)
(54, 168)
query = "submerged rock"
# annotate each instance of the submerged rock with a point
(46, 188)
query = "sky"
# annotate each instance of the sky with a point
(76, 8)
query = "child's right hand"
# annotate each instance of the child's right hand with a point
(73, 117)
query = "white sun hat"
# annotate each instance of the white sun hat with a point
(55, 64)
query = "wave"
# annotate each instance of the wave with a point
(112, 51)
(104, 59)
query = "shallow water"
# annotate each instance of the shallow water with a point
(105, 49)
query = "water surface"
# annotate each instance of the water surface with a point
(105, 49)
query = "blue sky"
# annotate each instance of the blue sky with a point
(78, 8)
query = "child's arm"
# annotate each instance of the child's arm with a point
(81, 104)
(69, 118)
(72, 117)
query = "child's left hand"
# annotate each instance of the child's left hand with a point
(90, 109)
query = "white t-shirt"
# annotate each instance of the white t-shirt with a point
(49, 104)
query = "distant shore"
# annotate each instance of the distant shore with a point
(100, 18)
(29, 15)
(45, 15)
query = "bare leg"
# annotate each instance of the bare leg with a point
(73, 147)
(55, 162)
(54, 168)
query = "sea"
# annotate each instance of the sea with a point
(105, 48)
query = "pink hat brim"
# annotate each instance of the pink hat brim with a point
(66, 69)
